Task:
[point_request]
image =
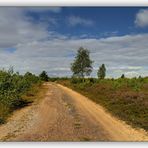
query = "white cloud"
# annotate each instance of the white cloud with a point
(142, 18)
(39, 49)
(131, 74)
(17, 28)
(110, 33)
(76, 20)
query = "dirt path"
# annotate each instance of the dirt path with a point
(64, 115)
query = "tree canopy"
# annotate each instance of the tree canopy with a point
(122, 76)
(82, 65)
(43, 76)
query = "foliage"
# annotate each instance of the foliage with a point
(122, 76)
(43, 76)
(82, 64)
(54, 79)
(12, 86)
(101, 72)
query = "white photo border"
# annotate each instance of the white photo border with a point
(73, 2)
(106, 3)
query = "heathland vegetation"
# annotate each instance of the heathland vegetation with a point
(17, 90)
(126, 98)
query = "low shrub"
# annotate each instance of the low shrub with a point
(12, 87)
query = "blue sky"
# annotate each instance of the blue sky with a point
(104, 19)
(47, 38)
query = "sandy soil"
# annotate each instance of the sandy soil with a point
(65, 115)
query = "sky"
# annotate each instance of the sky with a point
(47, 38)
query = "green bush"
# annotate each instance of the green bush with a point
(12, 86)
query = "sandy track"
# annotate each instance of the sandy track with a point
(65, 115)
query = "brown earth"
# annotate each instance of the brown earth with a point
(65, 115)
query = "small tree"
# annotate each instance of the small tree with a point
(101, 72)
(139, 77)
(27, 74)
(82, 65)
(43, 76)
(122, 76)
